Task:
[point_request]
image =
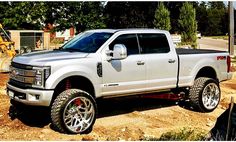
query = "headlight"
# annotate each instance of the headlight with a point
(41, 74)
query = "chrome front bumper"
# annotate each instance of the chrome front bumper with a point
(30, 96)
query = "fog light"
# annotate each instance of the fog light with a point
(32, 97)
(37, 97)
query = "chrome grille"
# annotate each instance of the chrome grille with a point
(22, 75)
(27, 76)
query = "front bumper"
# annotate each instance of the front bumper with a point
(32, 97)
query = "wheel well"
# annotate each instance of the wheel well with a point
(78, 82)
(207, 72)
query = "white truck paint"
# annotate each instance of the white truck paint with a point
(38, 78)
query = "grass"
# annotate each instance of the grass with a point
(219, 37)
(185, 134)
(233, 60)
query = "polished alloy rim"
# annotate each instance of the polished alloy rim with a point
(211, 96)
(78, 114)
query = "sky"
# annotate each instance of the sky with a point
(234, 3)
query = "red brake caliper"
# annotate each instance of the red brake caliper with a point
(77, 102)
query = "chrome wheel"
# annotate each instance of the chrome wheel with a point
(79, 114)
(210, 96)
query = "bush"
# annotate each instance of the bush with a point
(184, 134)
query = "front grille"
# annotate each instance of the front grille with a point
(22, 76)
(28, 76)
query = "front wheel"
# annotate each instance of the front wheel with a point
(74, 111)
(204, 95)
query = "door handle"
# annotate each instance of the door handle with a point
(140, 62)
(171, 61)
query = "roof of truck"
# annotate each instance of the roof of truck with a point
(131, 29)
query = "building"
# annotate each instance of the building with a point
(30, 40)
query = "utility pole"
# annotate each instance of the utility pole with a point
(231, 28)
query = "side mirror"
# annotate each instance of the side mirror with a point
(119, 52)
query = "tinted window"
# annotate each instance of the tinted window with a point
(88, 42)
(153, 43)
(129, 40)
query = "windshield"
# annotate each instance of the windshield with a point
(88, 42)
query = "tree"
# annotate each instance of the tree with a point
(35, 15)
(130, 14)
(174, 8)
(162, 18)
(81, 15)
(216, 5)
(22, 15)
(188, 24)
(201, 16)
(217, 23)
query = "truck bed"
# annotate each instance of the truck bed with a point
(182, 51)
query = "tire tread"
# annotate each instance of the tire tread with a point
(58, 103)
(195, 93)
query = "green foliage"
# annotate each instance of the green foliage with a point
(57, 41)
(220, 37)
(216, 5)
(34, 15)
(212, 17)
(201, 16)
(130, 14)
(81, 15)
(188, 24)
(22, 15)
(216, 15)
(184, 134)
(233, 60)
(174, 8)
(162, 18)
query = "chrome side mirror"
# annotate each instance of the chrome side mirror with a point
(119, 52)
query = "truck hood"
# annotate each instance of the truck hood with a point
(42, 58)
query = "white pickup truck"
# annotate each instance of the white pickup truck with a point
(110, 63)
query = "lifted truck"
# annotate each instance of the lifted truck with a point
(110, 63)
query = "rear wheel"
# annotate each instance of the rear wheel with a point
(204, 95)
(74, 111)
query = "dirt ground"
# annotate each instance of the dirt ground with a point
(119, 119)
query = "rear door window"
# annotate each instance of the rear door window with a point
(153, 43)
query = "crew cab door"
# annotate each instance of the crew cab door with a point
(125, 75)
(161, 61)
